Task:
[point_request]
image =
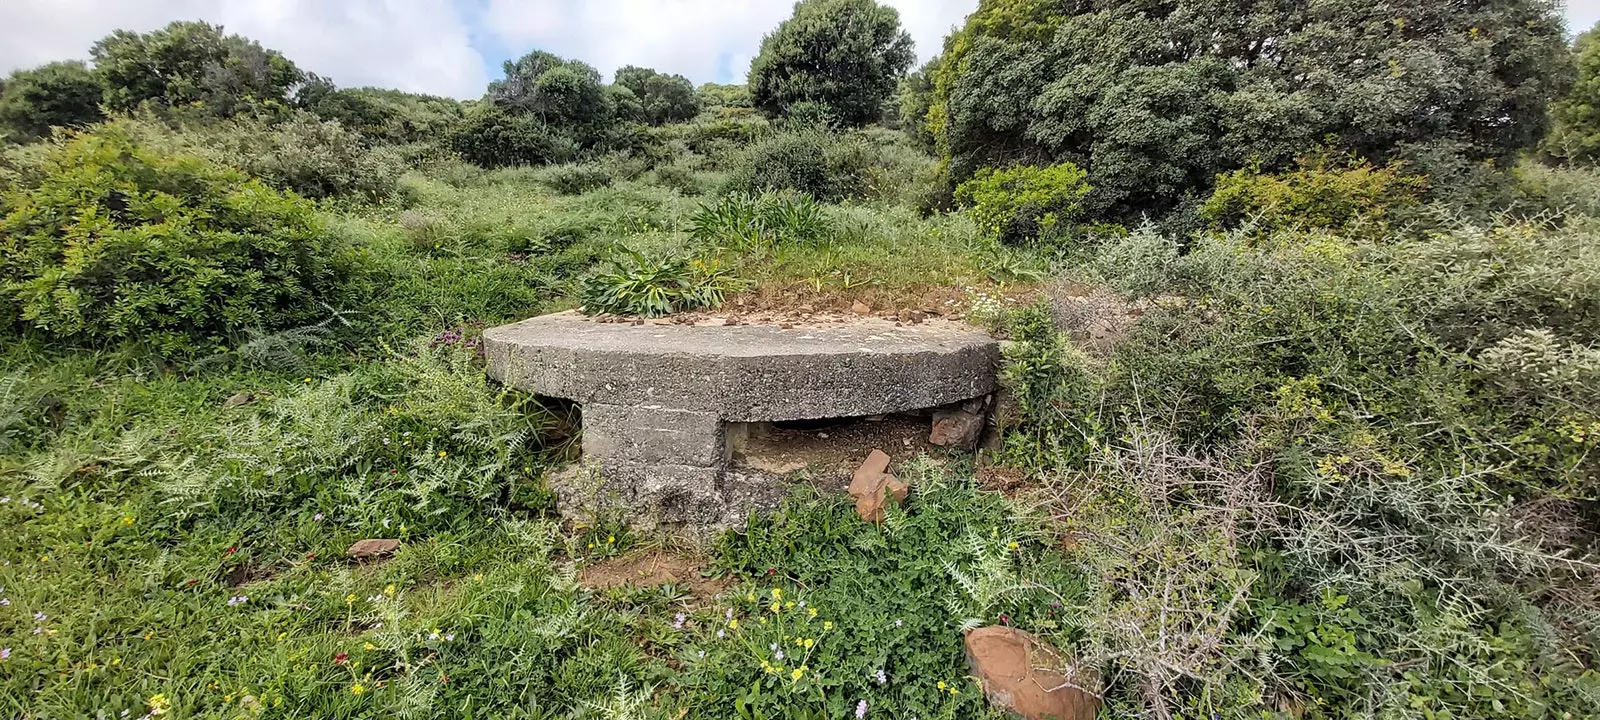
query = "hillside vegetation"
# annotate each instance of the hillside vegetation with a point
(1303, 378)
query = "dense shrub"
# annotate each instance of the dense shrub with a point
(192, 63)
(662, 98)
(1318, 195)
(847, 55)
(1575, 136)
(651, 284)
(379, 115)
(491, 138)
(121, 242)
(575, 178)
(314, 158)
(1158, 104)
(62, 94)
(822, 164)
(1023, 202)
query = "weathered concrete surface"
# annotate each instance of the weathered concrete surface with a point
(659, 400)
(746, 373)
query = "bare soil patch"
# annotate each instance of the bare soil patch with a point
(830, 453)
(650, 569)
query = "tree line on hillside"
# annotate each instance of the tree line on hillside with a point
(1154, 101)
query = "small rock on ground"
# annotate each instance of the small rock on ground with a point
(371, 548)
(1012, 665)
(874, 488)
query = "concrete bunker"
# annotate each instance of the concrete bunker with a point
(672, 413)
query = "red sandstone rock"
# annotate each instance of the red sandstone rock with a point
(874, 488)
(1017, 675)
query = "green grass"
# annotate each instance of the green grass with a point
(476, 615)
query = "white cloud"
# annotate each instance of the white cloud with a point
(695, 38)
(429, 45)
(1582, 15)
(417, 45)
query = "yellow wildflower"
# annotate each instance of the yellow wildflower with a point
(811, 611)
(357, 689)
(351, 598)
(777, 594)
(827, 625)
(810, 642)
(443, 453)
(797, 673)
(389, 590)
(942, 686)
(750, 597)
(159, 704)
(789, 604)
(478, 577)
(368, 646)
(1012, 545)
(611, 538)
(734, 624)
(773, 607)
(127, 519)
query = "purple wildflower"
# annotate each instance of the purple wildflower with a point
(37, 630)
(677, 622)
(722, 633)
(238, 600)
(5, 654)
(882, 678)
(898, 623)
(317, 517)
(40, 617)
(702, 653)
(861, 709)
(778, 654)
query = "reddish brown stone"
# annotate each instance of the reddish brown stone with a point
(874, 488)
(1019, 674)
(371, 548)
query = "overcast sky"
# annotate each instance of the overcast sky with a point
(455, 47)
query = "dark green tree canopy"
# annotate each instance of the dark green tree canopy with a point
(192, 62)
(557, 90)
(61, 94)
(1157, 98)
(1576, 135)
(848, 55)
(662, 98)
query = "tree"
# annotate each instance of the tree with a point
(915, 97)
(845, 54)
(192, 62)
(1158, 98)
(713, 96)
(558, 91)
(662, 98)
(61, 94)
(1576, 135)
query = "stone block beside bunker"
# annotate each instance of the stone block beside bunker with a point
(664, 406)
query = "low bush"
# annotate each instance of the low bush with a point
(1024, 202)
(575, 178)
(1321, 194)
(492, 138)
(827, 166)
(121, 242)
(651, 284)
(314, 158)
